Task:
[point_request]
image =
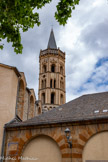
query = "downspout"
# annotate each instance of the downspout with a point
(28, 103)
(3, 145)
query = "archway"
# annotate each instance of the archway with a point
(96, 148)
(43, 149)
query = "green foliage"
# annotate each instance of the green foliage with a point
(64, 10)
(19, 14)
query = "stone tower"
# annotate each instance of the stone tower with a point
(51, 76)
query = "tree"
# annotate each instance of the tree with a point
(19, 14)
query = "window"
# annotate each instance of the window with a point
(61, 84)
(53, 68)
(44, 68)
(61, 99)
(45, 83)
(42, 84)
(43, 98)
(51, 83)
(61, 70)
(54, 83)
(52, 98)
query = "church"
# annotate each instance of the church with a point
(48, 129)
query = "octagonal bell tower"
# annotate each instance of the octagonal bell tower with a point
(51, 76)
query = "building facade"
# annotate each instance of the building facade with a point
(43, 138)
(16, 100)
(51, 76)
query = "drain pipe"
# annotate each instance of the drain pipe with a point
(3, 144)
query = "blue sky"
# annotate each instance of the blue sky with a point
(84, 39)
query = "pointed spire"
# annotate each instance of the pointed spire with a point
(52, 42)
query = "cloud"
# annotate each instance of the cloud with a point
(84, 39)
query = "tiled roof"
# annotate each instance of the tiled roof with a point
(86, 107)
(52, 42)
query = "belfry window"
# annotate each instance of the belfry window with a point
(44, 68)
(45, 83)
(51, 83)
(61, 70)
(54, 83)
(43, 98)
(53, 68)
(42, 84)
(52, 98)
(61, 99)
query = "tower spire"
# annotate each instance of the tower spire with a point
(52, 42)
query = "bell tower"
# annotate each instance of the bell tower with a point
(51, 76)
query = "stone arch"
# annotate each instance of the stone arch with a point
(29, 134)
(38, 137)
(84, 137)
(20, 101)
(31, 108)
(96, 148)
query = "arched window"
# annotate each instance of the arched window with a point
(20, 102)
(54, 83)
(61, 70)
(51, 83)
(61, 84)
(53, 68)
(44, 68)
(31, 108)
(52, 98)
(61, 99)
(43, 98)
(45, 83)
(42, 84)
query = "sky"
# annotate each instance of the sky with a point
(84, 39)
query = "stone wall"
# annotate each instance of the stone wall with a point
(18, 138)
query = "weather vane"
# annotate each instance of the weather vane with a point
(52, 26)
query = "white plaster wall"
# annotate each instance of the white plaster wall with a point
(96, 148)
